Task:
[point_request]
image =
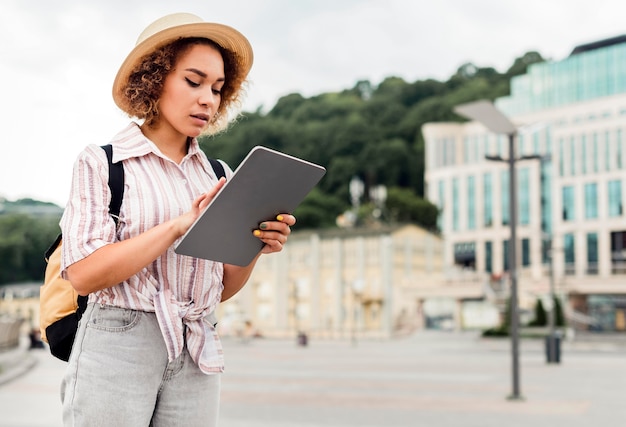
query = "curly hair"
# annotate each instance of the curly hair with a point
(144, 87)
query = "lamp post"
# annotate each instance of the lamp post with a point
(357, 189)
(486, 113)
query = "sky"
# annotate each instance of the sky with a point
(58, 59)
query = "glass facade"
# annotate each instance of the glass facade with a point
(546, 197)
(487, 200)
(580, 77)
(615, 198)
(596, 155)
(591, 200)
(568, 203)
(471, 203)
(488, 257)
(561, 157)
(607, 151)
(570, 254)
(620, 150)
(592, 253)
(525, 252)
(523, 191)
(504, 185)
(572, 156)
(583, 154)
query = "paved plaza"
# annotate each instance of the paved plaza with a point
(431, 379)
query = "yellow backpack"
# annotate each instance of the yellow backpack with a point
(60, 306)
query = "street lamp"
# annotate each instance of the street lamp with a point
(486, 113)
(357, 188)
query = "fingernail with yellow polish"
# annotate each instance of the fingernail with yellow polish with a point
(257, 233)
(280, 217)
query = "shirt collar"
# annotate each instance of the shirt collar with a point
(131, 142)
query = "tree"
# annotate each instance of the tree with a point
(403, 205)
(318, 211)
(558, 310)
(541, 317)
(521, 64)
(368, 131)
(23, 241)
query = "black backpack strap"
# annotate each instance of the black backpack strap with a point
(116, 183)
(218, 168)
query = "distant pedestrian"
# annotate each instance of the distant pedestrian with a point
(147, 352)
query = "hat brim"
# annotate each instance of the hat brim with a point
(226, 37)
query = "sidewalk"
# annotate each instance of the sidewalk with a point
(429, 379)
(16, 362)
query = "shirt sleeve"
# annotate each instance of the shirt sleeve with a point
(86, 224)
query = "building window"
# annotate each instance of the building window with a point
(546, 196)
(488, 258)
(572, 156)
(471, 203)
(618, 252)
(592, 253)
(441, 191)
(570, 254)
(465, 255)
(504, 187)
(591, 200)
(607, 151)
(596, 154)
(523, 189)
(546, 249)
(525, 252)
(620, 151)
(615, 198)
(561, 157)
(568, 203)
(488, 200)
(583, 154)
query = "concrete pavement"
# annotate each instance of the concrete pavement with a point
(433, 379)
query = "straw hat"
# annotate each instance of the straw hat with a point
(177, 26)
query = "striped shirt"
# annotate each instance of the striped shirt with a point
(181, 290)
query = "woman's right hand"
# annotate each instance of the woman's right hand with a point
(183, 222)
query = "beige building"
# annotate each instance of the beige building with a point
(351, 282)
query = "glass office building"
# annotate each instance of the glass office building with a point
(571, 115)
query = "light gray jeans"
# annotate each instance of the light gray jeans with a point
(118, 375)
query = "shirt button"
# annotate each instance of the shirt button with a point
(191, 269)
(184, 181)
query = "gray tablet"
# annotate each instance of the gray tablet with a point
(265, 184)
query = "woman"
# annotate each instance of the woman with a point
(146, 352)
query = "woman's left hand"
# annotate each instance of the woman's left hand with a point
(275, 233)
